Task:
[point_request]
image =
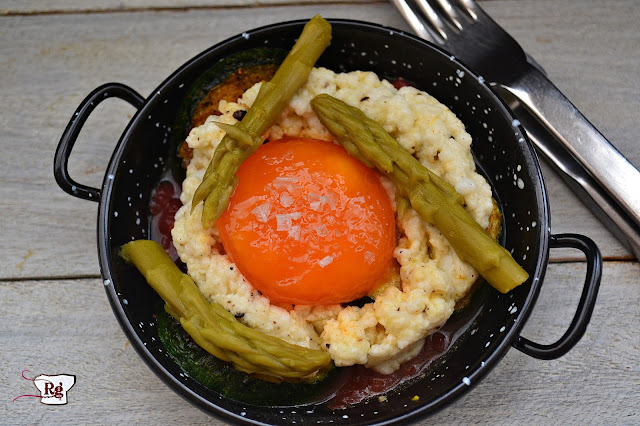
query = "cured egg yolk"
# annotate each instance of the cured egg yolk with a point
(309, 224)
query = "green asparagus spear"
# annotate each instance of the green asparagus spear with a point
(219, 180)
(215, 329)
(435, 200)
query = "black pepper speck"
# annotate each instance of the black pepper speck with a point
(239, 114)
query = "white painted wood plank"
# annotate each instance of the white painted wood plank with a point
(51, 62)
(67, 326)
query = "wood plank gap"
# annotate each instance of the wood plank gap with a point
(558, 260)
(626, 259)
(5, 12)
(51, 278)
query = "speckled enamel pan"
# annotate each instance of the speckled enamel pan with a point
(503, 155)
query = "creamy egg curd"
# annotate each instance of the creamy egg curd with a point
(310, 228)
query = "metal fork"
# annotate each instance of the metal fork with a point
(603, 178)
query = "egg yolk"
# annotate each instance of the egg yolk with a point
(309, 224)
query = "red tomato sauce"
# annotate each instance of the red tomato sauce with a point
(401, 82)
(165, 202)
(363, 383)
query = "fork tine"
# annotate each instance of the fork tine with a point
(417, 22)
(471, 7)
(451, 13)
(433, 18)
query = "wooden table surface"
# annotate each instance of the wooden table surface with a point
(55, 315)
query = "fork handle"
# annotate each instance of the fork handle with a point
(588, 190)
(608, 168)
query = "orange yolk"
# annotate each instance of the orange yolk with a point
(309, 224)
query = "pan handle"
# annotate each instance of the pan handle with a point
(585, 307)
(70, 135)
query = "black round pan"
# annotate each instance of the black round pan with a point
(493, 321)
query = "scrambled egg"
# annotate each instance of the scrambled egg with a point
(383, 334)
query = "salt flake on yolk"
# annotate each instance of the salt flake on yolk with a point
(309, 224)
